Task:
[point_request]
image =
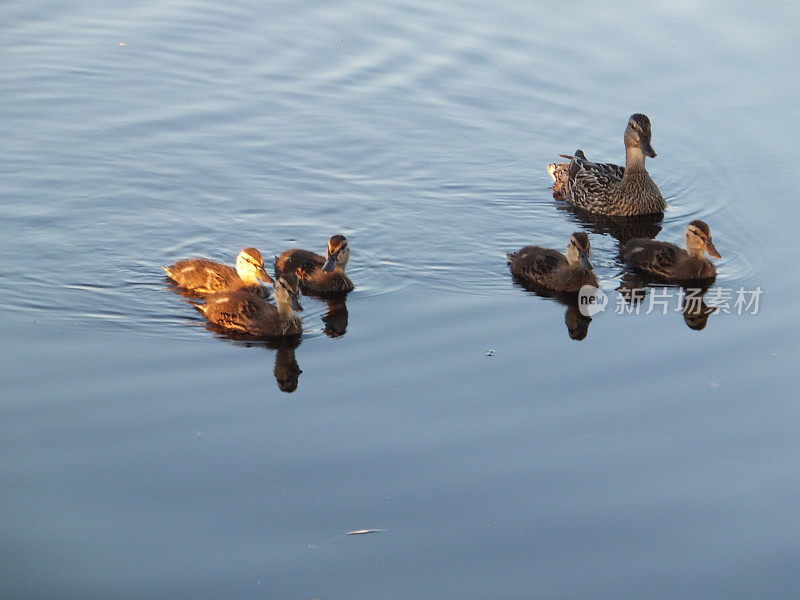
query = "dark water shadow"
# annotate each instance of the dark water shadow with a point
(622, 229)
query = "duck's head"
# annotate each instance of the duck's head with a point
(337, 254)
(287, 291)
(578, 250)
(638, 134)
(250, 266)
(698, 239)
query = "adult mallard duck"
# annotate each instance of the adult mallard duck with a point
(549, 269)
(206, 276)
(609, 189)
(245, 312)
(318, 274)
(672, 263)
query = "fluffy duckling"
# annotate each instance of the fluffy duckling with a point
(609, 189)
(206, 276)
(552, 270)
(245, 312)
(669, 262)
(317, 274)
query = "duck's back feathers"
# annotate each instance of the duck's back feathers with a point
(549, 269)
(535, 262)
(203, 276)
(650, 256)
(291, 260)
(246, 312)
(666, 261)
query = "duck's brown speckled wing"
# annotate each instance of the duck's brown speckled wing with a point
(589, 182)
(655, 258)
(202, 275)
(237, 310)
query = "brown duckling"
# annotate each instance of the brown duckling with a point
(246, 312)
(609, 189)
(552, 270)
(317, 274)
(206, 276)
(670, 262)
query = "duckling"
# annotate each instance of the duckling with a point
(319, 275)
(206, 276)
(552, 270)
(669, 262)
(609, 189)
(244, 311)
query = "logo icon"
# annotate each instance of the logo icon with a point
(591, 300)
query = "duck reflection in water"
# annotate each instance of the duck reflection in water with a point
(577, 323)
(550, 274)
(623, 229)
(287, 371)
(696, 312)
(336, 318)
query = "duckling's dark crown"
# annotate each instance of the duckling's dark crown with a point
(289, 279)
(252, 253)
(702, 227)
(336, 241)
(581, 240)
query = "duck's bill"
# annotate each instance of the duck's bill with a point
(264, 276)
(586, 263)
(330, 263)
(712, 251)
(648, 149)
(296, 303)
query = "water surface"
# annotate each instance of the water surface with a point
(145, 457)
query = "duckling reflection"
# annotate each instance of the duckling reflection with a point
(695, 310)
(195, 277)
(287, 371)
(336, 318)
(633, 289)
(317, 274)
(577, 323)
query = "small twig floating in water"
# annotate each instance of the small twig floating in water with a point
(341, 535)
(363, 531)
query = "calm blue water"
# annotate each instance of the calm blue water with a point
(144, 457)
